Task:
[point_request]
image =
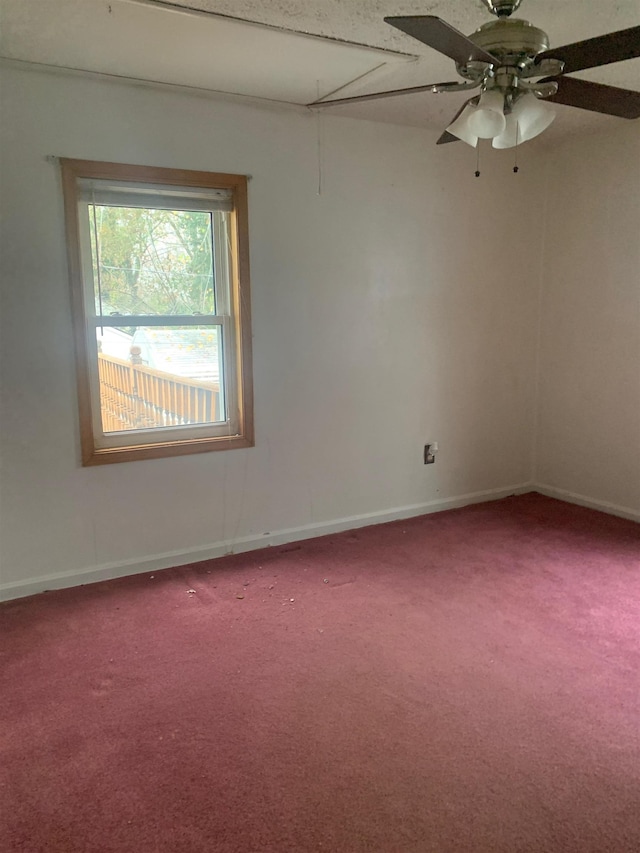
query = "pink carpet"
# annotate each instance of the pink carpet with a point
(466, 681)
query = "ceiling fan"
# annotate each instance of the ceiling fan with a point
(509, 60)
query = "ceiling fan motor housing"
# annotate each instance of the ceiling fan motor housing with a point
(515, 43)
(508, 38)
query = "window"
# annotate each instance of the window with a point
(159, 273)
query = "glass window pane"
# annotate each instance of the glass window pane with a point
(160, 376)
(152, 261)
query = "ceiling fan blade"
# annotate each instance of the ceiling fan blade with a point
(441, 36)
(449, 137)
(597, 97)
(412, 90)
(614, 47)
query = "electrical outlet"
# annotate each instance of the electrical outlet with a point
(430, 453)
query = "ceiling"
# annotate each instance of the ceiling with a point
(209, 44)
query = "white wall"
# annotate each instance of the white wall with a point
(382, 319)
(588, 436)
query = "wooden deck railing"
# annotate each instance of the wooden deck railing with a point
(133, 396)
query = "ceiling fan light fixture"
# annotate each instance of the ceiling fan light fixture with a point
(460, 127)
(487, 120)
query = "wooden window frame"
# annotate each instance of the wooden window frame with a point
(240, 313)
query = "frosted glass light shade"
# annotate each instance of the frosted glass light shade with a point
(533, 116)
(460, 127)
(487, 120)
(510, 136)
(528, 119)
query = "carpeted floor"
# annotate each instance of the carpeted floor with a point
(466, 681)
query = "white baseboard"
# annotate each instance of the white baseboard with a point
(583, 500)
(157, 562)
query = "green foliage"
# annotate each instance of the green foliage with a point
(152, 261)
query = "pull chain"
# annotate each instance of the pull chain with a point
(477, 160)
(515, 165)
(319, 142)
